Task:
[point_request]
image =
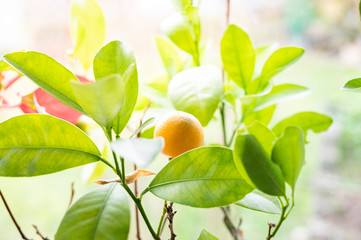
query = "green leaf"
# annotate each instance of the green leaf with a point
(47, 73)
(353, 85)
(171, 59)
(359, 7)
(142, 102)
(279, 61)
(238, 55)
(264, 115)
(178, 29)
(262, 54)
(192, 14)
(204, 177)
(3, 65)
(261, 202)
(37, 144)
(197, 91)
(306, 120)
(281, 93)
(144, 125)
(289, 154)
(148, 133)
(256, 167)
(116, 58)
(205, 235)
(159, 83)
(102, 99)
(100, 214)
(263, 135)
(140, 151)
(87, 28)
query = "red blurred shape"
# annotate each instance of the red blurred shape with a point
(53, 106)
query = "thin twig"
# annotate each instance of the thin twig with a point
(234, 231)
(38, 233)
(71, 195)
(228, 11)
(170, 217)
(270, 226)
(13, 218)
(163, 224)
(136, 208)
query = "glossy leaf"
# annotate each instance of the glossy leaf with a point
(306, 120)
(41, 69)
(238, 55)
(261, 202)
(100, 214)
(116, 58)
(281, 93)
(279, 61)
(256, 166)
(37, 144)
(205, 235)
(289, 154)
(263, 135)
(264, 115)
(87, 28)
(102, 99)
(178, 29)
(197, 91)
(148, 133)
(170, 57)
(250, 98)
(353, 85)
(140, 151)
(204, 177)
(262, 54)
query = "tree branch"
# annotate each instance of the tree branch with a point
(236, 233)
(38, 232)
(13, 218)
(71, 195)
(170, 217)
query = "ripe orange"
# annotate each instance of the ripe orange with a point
(181, 132)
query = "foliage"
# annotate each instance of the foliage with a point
(252, 168)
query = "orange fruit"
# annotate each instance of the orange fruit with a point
(181, 132)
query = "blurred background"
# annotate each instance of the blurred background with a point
(328, 195)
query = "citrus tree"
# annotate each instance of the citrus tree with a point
(256, 166)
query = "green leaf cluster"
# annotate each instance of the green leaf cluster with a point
(252, 167)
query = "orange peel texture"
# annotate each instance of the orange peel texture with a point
(181, 132)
